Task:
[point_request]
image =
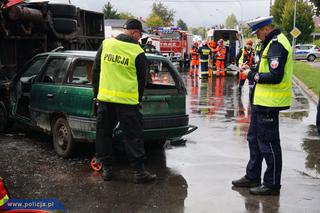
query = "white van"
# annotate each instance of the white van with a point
(233, 41)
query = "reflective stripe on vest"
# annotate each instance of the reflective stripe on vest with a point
(118, 77)
(275, 95)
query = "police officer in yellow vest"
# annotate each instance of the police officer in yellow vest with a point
(272, 93)
(119, 80)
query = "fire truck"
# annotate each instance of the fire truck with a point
(175, 44)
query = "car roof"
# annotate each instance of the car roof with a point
(91, 54)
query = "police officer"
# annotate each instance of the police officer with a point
(272, 93)
(119, 80)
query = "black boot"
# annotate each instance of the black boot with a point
(245, 182)
(107, 173)
(140, 175)
(264, 190)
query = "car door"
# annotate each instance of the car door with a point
(22, 84)
(76, 98)
(45, 92)
(163, 103)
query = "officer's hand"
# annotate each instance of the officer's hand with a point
(246, 71)
(244, 66)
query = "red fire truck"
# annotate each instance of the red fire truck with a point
(175, 44)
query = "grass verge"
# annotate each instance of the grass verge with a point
(309, 75)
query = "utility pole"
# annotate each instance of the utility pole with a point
(270, 7)
(294, 26)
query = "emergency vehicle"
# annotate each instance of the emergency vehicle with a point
(233, 41)
(175, 44)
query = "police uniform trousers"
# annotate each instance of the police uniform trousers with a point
(130, 118)
(264, 143)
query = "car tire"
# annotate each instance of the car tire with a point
(63, 11)
(65, 25)
(3, 117)
(62, 138)
(311, 58)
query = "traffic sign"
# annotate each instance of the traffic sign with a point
(295, 32)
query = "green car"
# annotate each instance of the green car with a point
(54, 94)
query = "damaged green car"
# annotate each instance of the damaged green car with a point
(53, 93)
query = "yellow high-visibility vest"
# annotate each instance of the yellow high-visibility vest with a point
(275, 95)
(118, 77)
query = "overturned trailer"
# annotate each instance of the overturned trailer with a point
(30, 28)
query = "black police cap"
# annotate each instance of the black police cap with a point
(133, 24)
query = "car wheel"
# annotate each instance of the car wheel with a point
(65, 25)
(3, 117)
(62, 138)
(311, 58)
(63, 10)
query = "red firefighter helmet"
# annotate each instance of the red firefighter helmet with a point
(195, 44)
(212, 44)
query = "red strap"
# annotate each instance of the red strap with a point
(11, 3)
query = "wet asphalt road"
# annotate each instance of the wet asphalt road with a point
(195, 177)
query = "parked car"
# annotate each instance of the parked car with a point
(308, 52)
(53, 93)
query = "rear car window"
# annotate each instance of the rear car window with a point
(81, 72)
(160, 73)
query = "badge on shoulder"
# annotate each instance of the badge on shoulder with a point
(274, 63)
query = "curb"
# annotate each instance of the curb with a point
(313, 96)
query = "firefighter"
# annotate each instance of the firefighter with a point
(272, 93)
(194, 64)
(247, 57)
(148, 47)
(204, 52)
(220, 58)
(212, 45)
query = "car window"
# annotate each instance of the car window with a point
(160, 73)
(54, 72)
(34, 68)
(81, 72)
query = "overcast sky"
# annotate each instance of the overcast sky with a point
(194, 13)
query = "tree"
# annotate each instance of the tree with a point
(304, 20)
(109, 12)
(167, 15)
(182, 24)
(277, 11)
(126, 15)
(231, 22)
(154, 21)
(194, 30)
(316, 4)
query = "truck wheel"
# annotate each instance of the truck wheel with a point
(65, 25)
(62, 138)
(3, 117)
(63, 10)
